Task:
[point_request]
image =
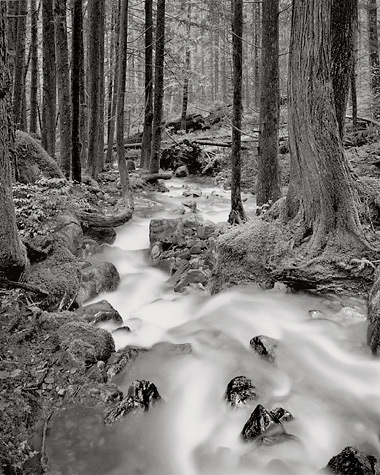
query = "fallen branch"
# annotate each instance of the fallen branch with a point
(365, 119)
(151, 177)
(24, 286)
(218, 144)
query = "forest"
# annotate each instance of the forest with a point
(189, 239)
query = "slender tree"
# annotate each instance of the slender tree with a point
(237, 214)
(374, 61)
(63, 83)
(146, 146)
(158, 88)
(49, 78)
(33, 121)
(185, 90)
(321, 194)
(77, 60)
(12, 255)
(268, 172)
(19, 68)
(101, 83)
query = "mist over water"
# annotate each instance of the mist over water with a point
(323, 372)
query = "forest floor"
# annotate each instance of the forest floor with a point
(36, 375)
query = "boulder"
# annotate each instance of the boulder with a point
(101, 235)
(69, 232)
(103, 277)
(99, 394)
(182, 172)
(192, 191)
(121, 359)
(264, 347)
(98, 312)
(141, 397)
(131, 166)
(240, 391)
(353, 462)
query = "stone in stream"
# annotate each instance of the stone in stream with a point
(240, 391)
(353, 462)
(182, 172)
(141, 397)
(264, 346)
(97, 312)
(264, 428)
(121, 359)
(192, 191)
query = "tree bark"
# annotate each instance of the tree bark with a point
(321, 191)
(19, 68)
(12, 254)
(101, 84)
(49, 79)
(374, 61)
(63, 83)
(158, 88)
(186, 82)
(237, 213)
(77, 59)
(146, 148)
(33, 120)
(256, 50)
(268, 187)
(344, 17)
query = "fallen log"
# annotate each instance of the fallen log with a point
(97, 220)
(151, 177)
(218, 144)
(365, 119)
(126, 145)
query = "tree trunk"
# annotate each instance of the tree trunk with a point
(158, 88)
(374, 62)
(33, 117)
(63, 83)
(101, 85)
(124, 178)
(83, 124)
(49, 78)
(146, 147)
(237, 214)
(94, 12)
(77, 59)
(19, 68)
(320, 179)
(12, 255)
(344, 17)
(256, 49)
(185, 90)
(268, 187)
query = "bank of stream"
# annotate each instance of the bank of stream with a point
(322, 371)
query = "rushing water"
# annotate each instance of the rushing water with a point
(323, 373)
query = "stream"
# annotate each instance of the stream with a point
(323, 372)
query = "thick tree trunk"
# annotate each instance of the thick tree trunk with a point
(49, 78)
(12, 255)
(101, 85)
(77, 59)
(374, 61)
(237, 214)
(146, 147)
(158, 88)
(344, 17)
(256, 50)
(33, 117)
(63, 83)
(320, 178)
(83, 124)
(124, 178)
(19, 68)
(268, 187)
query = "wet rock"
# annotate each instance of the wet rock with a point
(89, 248)
(192, 191)
(97, 312)
(121, 359)
(99, 394)
(121, 331)
(206, 230)
(163, 230)
(182, 172)
(101, 235)
(264, 346)
(240, 391)
(350, 315)
(316, 314)
(353, 462)
(193, 276)
(141, 397)
(191, 204)
(282, 415)
(196, 248)
(174, 348)
(69, 232)
(156, 252)
(103, 277)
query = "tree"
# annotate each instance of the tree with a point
(19, 105)
(321, 194)
(185, 91)
(268, 173)
(237, 213)
(344, 17)
(373, 49)
(34, 68)
(63, 83)
(12, 255)
(158, 88)
(49, 78)
(146, 146)
(77, 55)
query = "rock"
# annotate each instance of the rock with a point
(163, 230)
(156, 252)
(69, 232)
(84, 343)
(206, 230)
(351, 315)
(353, 462)
(131, 166)
(316, 314)
(264, 429)
(196, 248)
(191, 204)
(99, 394)
(89, 248)
(174, 348)
(121, 331)
(182, 172)
(192, 276)
(240, 391)
(97, 312)
(264, 346)
(121, 359)
(101, 235)
(192, 191)
(141, 397)
(281, 414)
(103, 277)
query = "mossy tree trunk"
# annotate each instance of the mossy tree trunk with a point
(374, 61)
(19, 68)
(33, 121)
(321, 192)
(268, 188)
(12, 255)
(237, 213)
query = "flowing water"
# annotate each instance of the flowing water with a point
(323, 372)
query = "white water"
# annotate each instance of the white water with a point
(323, 373)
